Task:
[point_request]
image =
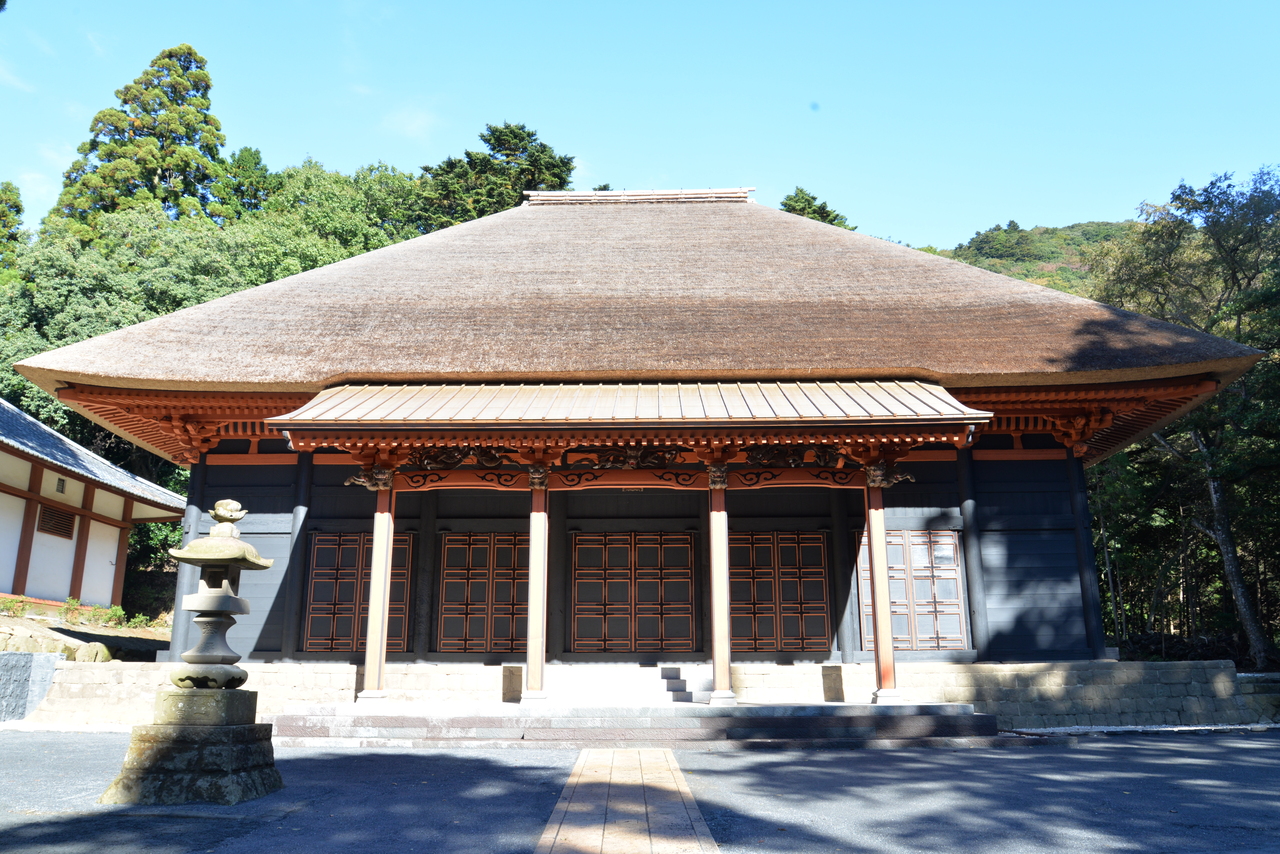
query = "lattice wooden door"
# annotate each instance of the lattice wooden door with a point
(925, 597)
(778, 592)
(484, 593)
(632, 593)
(338, 593)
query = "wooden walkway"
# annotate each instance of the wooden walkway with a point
(626, 802)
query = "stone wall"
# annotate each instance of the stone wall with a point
(1063, 694)
(1261, 694)
(1023, 696)
(25, 678)
(120, 694)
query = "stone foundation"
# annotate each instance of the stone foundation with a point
(182, 764)
(1035, 695)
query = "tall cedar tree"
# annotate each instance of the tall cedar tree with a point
(10, 223)
(803, 203)
(161, 144)
(1210, 260)
(484, 182)
(243, 184)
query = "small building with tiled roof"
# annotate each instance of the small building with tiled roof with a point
(642, 427)
(66, 514)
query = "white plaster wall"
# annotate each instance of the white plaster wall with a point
(100, 564)
(142, 511)
(75, 489)
(108, 504)
(14, 471)
(50, 574)
(11, 509)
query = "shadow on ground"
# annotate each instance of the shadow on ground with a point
(1136, 794)
(342, 801)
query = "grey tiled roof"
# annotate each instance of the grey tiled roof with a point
(22, 432)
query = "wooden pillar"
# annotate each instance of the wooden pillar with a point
(722, 679)
(886, 678)
(122, 554)
(375, 650)
(975, 585)
(188, 581)
(1086, 559)
(534, 687)
(82, 543)
(28, 533)
(844, 571)
(295, 579)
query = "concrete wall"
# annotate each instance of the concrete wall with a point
(25, 678)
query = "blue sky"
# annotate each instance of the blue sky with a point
(920, 121)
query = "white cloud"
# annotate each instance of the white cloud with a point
(95, 44)
(8, 78)
(411, 122)
(42, 45)
(361, 89)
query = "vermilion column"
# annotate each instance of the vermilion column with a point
(375, 652)
(886, 679)
(722, 679)
(534, 688)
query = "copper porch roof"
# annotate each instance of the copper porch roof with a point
(613, 405)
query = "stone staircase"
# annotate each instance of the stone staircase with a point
(384, 724)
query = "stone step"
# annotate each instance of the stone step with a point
(951, 743)
(690, 724)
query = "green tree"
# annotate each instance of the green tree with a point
(242, 185)
(11, 236)
(1210, 260)
(1010, 242)
(161, 144)
(803, 203)
(480, 183)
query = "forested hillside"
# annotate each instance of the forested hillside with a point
(1054, 257)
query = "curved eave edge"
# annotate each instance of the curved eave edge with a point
(794, 425)
(1226, 370)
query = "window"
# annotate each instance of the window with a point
(925, 598)
(484, 593)
(57, 522)
(778, 592)
(633, 593)
(338, 593)
(61, 486)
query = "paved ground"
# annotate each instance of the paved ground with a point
(1155, 794)
(1169, 794)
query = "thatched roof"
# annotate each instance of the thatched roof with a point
(626, 290)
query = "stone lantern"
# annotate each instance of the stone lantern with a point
(205, 744)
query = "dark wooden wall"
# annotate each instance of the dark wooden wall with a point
(1033, 569)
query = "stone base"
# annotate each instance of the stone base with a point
(723, 698)
(206, 707)
(169, 764)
